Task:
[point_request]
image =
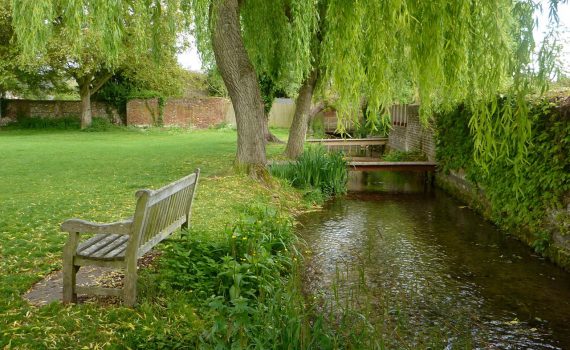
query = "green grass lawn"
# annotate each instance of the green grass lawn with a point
(49, 176)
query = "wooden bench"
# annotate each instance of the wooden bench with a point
(157, 215)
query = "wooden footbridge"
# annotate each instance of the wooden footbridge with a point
(375, 141)
(369, 163)
(375, 165)
(352, 146)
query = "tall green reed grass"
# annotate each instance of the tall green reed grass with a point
(316, 169)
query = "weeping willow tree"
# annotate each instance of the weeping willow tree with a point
(458, 51)
(449, 51)
(249, 39)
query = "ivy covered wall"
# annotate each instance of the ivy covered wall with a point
(532, 202)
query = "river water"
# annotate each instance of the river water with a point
(428, 267)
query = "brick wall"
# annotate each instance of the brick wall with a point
(189, 112)
(408, 133)
(12, 109)
(201, 112)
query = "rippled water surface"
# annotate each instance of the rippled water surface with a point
(422, 254)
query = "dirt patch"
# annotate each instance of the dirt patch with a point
(50, 289)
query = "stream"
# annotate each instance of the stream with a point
(426, 265)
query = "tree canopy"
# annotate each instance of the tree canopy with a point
(18, 77)
(451, 52)
(468, 51)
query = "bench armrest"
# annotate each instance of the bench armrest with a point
(82, 226)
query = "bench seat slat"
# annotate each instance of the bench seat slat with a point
(116, 253)
(91, 241)
(117, 243)
(102, 246)
(95, 243)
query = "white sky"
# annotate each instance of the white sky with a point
(190, 59)
(564, 27)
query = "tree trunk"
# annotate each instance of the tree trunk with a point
(243, 87)
(298, 131)
(85, 93)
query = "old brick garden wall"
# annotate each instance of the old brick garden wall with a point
(189, 112)
(408, 133)
(200, 112)
(195, 112)
(12, 109)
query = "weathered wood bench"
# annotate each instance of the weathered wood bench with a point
(157, 215)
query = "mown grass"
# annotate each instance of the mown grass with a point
(49, 176)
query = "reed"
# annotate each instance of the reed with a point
(316, 169)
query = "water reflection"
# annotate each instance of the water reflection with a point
(424, 251)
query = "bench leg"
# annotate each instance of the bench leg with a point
(70, 270)
(69, 281)
(130, 288)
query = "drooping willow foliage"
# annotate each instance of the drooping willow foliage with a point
(448, 51)
(467, 51)
(277, 35)
(451, 51)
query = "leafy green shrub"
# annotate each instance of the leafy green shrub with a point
(99, 124)
(518, 198)
(116, 91)
(221, 126)
(243, 283)
(316, 169)
(63, 123)
(318, 127)
(256, 241)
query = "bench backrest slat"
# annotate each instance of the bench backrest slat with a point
(166, 210)
(161, 212)
(172, 188)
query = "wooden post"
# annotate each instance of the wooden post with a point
(188, 208)
(69, 269)
(139, 226)
(130, 288)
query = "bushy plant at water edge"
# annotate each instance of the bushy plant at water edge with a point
(243, 284)
(316, 169)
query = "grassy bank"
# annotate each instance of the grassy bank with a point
(49, 176)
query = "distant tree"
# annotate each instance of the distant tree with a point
(89, 41)
(215, 83)
(147, 77)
